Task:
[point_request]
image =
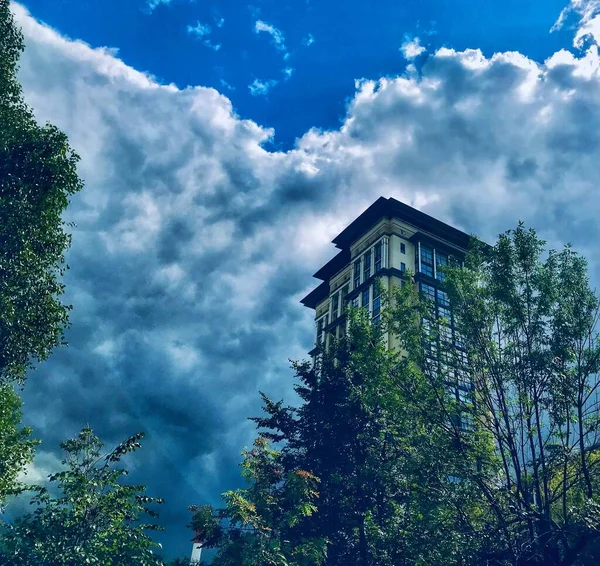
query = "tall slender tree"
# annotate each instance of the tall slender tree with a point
(37, 176)
(527, 433)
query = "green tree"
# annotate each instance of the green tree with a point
(95, 518)
(384, 487)
(262, 524)
(37, 176)
(526, 433)
(16, 445)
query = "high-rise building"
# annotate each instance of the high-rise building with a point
(385, 243)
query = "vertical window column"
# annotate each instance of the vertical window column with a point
(365, 299)
(367, 264)
(386, 245)
(378, 259)
(376, 304)
(356, 273)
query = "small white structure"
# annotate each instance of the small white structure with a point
(196, 550)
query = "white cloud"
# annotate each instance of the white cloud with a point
(288, 72)
(202, 31)
(199, 30)
(219, 22)
(588, 12)
(226, 85)
(412, 48)
(277, 37)
(194, 242)
(308, 40)
(153, 4)
(259, 87)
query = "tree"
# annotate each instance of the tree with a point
(261, 525)
(527, 430)
(16, 445)
(37, 176)
(380, 501)
(94, 519)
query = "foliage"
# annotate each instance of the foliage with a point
(95, 519)
(473, 442)
(37, 175)
(531, 460)
(16, 445)
(262, 524)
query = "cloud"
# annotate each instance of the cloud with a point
(259, 87)
(277, 38)
(193, 243)
(308, 40)
(226, 85)
(412, 48)
(201, 31)
(219, 22)
(153, 4)
(588, 12)
(287, 73)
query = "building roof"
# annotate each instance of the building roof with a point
(316, 295)
(333, 265)
(392, 208)
(381, 208)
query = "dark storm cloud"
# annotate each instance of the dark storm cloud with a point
(194, 244)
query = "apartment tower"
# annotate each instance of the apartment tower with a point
(385, 243)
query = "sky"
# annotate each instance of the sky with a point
(224, 145)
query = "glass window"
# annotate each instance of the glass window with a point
(464, 396)
(463, 380)
(402, 266)
(365, 298)
(442, 298)
(378, 248)
(441, 259)
(355, 302)
(345, 290)
(444, 312)
(367, 260)
(428, 291)
(466, 421)
(402, 248)
(376, 302)
(427, 260)
(335, 306)
(356, 273)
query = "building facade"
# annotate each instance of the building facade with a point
(397, 245)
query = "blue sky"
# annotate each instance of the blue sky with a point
(215, 181)
(327, 44)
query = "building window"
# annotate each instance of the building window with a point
(378, 247)
(335, 306)
(441, 259)
(345, 290)
(466, 421)
(442, 298)
(402, 248)
(427, 260)
(365, 298)
(355, 302)
(402, 266)
(428, 292)
(321, 324)
(356, 273)
(376, 304)
(367, 260)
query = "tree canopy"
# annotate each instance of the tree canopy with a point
(474, 442)
(89, 517)
(37, 176)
